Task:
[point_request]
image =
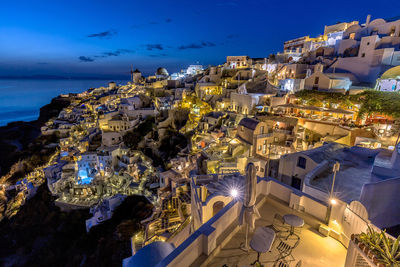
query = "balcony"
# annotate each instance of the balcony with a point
(217, 241)
(313, 249)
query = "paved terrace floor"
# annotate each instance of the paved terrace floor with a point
(313, 249)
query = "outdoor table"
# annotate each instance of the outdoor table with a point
(262, 241)
(293, 221)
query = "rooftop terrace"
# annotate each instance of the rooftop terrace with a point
(313, 249)
(217, 241)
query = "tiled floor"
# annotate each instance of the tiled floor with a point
(313, 249)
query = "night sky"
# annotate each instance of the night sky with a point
(95, 38)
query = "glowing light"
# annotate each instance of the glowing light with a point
(234, 193)
(333, 201)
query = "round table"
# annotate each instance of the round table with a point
(262, 241)
(293, 221)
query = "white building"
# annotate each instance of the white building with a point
(389, 81)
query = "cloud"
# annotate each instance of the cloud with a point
(232, 36)
(197, 45)
(103, 35)
(115, 53)
(86, 59)
(158, 55)
(151, 47)
(143, 25)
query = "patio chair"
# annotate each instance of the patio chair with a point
(278, 221)
(281, 263)
(285, 250)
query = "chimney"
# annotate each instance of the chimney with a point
(368, 20)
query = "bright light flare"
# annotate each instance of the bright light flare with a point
(333, 201)
(234, 193)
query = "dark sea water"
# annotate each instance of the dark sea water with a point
(20, 100)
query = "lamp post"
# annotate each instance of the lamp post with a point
(332, 201)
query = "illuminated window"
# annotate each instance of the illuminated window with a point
(392, 31)
(352, 36)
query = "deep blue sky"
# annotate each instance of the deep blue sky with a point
(97, 37)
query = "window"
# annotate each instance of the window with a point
(392, 31)
(301, 162)
(259, 147)
(262, 130)
(352, 36)
(316, 80)
(363, 55)
(368, 43)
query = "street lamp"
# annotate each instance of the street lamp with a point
(332, 201)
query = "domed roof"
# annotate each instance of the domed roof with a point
(393, 73)
(136, 71)
(162, 71)
(150, 255)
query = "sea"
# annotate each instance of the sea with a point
(21, 100)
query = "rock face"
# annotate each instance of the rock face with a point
(53, 108)
(16, 136)
(42, 235)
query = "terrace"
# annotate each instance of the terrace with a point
(217, 241)
(312, 250)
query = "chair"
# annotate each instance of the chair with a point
(285, 250)
(281, 263)
(277, 219)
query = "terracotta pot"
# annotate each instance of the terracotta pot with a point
(375, 260)
(366, 250)
(381, 265)
(361, 245)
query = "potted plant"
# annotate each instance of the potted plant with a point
(383, 250)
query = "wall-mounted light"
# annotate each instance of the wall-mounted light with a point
(234, 193)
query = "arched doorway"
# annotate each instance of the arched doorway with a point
(217, 207)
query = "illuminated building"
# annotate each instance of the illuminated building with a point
(389, 81)
(237, 62)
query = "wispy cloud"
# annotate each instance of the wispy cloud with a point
(158, 55)
(115, 53)
(152, 47)
(143, 25)
(196, 45)
(232, 36)
(103, 35)
(85, 59)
